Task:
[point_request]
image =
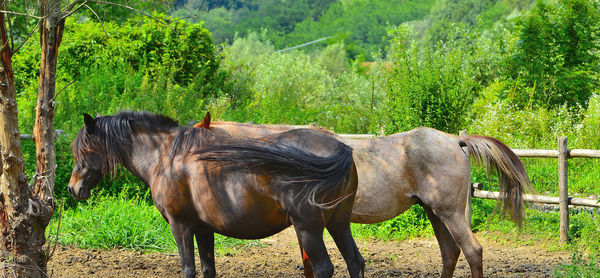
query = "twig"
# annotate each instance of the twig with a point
(100, 20)
(135, 10)
(62, 89)
(4, 265)
(22, 14)
(62, 201)
(70, 12)
(27, 39)
(195, 13)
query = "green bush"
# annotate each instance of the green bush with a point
(296, 88)
(428, 86)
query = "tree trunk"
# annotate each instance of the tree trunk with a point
(19, 255)
(43, 132)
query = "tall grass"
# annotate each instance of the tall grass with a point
(120, 222)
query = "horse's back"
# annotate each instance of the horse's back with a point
(311, 140)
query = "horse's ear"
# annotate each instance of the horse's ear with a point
(90, 123)
(206, 122)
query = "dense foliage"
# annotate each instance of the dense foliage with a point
(555, 60)
(133, 65)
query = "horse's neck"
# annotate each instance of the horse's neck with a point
(145, 155)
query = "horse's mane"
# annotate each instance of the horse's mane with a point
(113, 135)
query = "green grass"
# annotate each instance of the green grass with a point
(410, 224)
(117, 222)
(580, 267)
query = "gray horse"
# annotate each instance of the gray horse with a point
(422, 166)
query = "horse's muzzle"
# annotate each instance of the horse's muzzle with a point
(78, 194)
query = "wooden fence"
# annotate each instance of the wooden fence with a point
(563, 200)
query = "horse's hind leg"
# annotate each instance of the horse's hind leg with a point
(448, 247)
(345, 242)
(206, 249)
(311, 239)
(308, 269)
(462, 234)
(339, 228)
(184, 237)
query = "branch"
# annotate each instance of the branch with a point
(72, 5)
(99, 20)
(135, 10)
(71, 10)
(52, 100)
(196, 13)
(22, 14)
(51, 253)
(27, 39)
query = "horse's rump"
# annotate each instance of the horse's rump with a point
(301, 156)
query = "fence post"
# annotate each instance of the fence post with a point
(468, 210)
(563, 189)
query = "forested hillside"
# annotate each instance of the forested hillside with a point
(360, 24)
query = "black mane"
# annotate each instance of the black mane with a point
(113, 135)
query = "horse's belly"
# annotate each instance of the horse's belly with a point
(380, 196)
(367, 212)
(253, 225)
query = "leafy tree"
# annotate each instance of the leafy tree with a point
(428, 86)
(472, 14)
(556, 59)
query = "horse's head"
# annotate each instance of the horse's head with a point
(90, 163)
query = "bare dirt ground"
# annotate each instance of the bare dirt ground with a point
(279, 257)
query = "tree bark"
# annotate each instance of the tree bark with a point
(51, 30)
(18, 256)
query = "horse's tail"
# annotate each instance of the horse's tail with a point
(499, 158)
(322, 174)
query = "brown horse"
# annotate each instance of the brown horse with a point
(202, 183)
(422, 166)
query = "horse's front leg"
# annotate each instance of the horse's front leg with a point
(206, 250)
(184, 237)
